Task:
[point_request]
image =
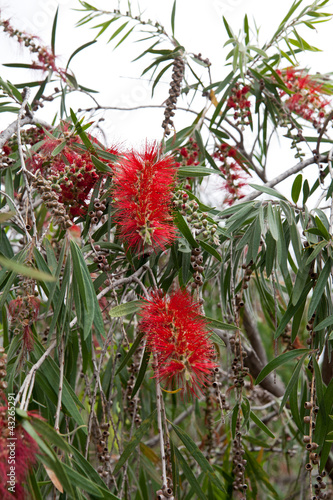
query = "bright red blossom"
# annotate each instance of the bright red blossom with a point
(26, 449)
(143, 184)
(177, 335)
(308, 99)
(235, 178)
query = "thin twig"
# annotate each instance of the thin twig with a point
(61, 382)
(29, 378)
(26, 94)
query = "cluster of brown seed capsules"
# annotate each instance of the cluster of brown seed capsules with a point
(133, 403)
(101, 258)
(101, 435)
(197, 261)
(174, 93)
(239, 462)
(96, 215)
(3, 368)
(197, 220)
(50, 198)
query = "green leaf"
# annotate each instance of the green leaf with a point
(130, 353)
(280, 360)
(215, 323)
(293, 380)
(197, 455)
(216, 339)
(119, 30)
(189, 475)
(322, 229)
(195, 171)
(125, 309)
(268, 190)
(54, 29)
(142, 371)
(320, 287)
(173, 14)
(273, 227)
(85, 45)
(296, 188)
(133, 443)
(59, 148)
(324, 324)
(100, 166)
(25, 270)
(184, 229)
(261, 424)
(211, 250)
(4, 216)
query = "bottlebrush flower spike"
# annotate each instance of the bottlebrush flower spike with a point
(176, 333)
(143, 184)
(24, 455)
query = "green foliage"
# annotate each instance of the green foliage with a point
(258, 263)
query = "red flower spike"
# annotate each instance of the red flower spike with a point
(143, 184)
(177, 335)
(26, 449)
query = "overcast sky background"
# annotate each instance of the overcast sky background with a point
(199, 28)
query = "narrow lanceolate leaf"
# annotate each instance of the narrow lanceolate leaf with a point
(54, 29)
(323, 324)
(189, 475)
(184, 229)
(215, 323)
(4, 216)
(296, 188)
(261, 424)
(25, 270)
(142, 371)
(280, 360)
(198, 456)
(173, 15)
(268, 190)
(125, 309)
(292, 381)
(131, 351)
(320, 287)
(133, 443)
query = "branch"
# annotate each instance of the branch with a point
(26, 93)
(255, 366)
(254, 336)
(293, 170)
(31, 373)
(11, 129)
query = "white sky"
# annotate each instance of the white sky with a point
(199, 28)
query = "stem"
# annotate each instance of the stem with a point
(30, 377)
(26, 94)
(61, 383)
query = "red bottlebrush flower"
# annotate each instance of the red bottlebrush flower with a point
(143, 184)
(24, 311)
(177, 335)
(23, 450)
(308, 99)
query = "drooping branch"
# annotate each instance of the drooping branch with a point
(291, 171)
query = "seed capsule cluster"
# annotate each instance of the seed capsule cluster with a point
(3, 368)
(101, 258)
(100, 434)
(133, 403)
(239, 462)
(197, 261)
(165, 493)
(50, 198)
(174, 93)
(96, 215)
(197, 220)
